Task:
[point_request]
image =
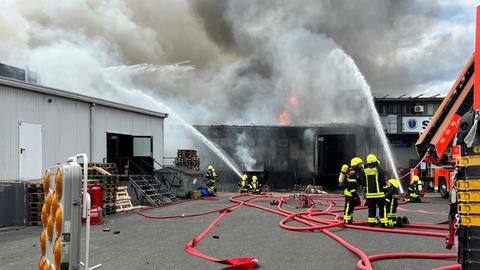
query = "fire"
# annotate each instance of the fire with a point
(285, 116)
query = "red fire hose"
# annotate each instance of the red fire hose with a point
(313, 220)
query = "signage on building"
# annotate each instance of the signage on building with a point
(415, 124)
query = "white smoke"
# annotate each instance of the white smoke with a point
(245, 60)
(243, 152)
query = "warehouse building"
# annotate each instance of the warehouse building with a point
(403, 119)
(41, 126)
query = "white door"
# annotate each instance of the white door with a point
(30, 150)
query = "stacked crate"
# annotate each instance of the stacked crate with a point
(102, 168)
(106, 175)
(187, 158)
(109, 186)
(36, 197)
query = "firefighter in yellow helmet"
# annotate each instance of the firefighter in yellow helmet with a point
(350, 186)
(211, 178)
(392, 194)
(375, 184)
(255, 185)
(243, 185)
(414, 190)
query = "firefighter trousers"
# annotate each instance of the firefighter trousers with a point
(350, 204)
(372, 211)
(391, 206)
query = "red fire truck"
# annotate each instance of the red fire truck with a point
(436, 144)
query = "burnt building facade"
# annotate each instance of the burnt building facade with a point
(287, 156)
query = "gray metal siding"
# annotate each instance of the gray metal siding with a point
(110, 120)
(18, 105)
(73, 136)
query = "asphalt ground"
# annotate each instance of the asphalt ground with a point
(247, 232)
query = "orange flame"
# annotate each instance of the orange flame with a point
(285, 116)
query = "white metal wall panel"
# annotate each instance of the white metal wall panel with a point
(110, 120)
(19, 105)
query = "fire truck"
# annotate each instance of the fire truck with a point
(436, 145)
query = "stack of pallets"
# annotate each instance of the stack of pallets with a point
(123, 200)
(102, 169)
(109, 185)
(187, 158)
(35, 198)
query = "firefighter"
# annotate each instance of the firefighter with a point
(414, 190)
(255, 185)
(392, 194)
(375, 195)
(211, 179)
(243, 186)
(352, 199)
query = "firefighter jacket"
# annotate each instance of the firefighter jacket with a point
(374, 181)
(211, 177)
(350, 186)
(413, 190)
(392, 193)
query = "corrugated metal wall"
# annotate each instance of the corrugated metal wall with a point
(19, 105)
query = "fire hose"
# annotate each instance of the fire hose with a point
(314, 220)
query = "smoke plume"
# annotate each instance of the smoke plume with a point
(240, 62)
(243, 153)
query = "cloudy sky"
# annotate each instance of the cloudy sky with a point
(240, 61)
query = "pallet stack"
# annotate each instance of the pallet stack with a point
(35, 199)
(109, 185)
(102, 169)
(123, 199)
(187, 158)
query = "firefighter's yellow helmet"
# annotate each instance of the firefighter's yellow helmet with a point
(416, 178)
(254, 178)
(371, 158)
(244, 177)
(394, 182)
(210, 168)
(356, 161)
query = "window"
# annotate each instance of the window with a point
(142, 146)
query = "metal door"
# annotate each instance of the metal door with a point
(29, 150)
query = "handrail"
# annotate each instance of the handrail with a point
(169, 172)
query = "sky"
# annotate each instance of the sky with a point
(238, 62)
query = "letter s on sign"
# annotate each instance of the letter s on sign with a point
(425, 124)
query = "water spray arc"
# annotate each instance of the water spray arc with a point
(365, 88)
(215, 149)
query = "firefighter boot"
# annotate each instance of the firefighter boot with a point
(405, 220)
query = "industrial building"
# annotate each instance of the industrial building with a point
(403, 119)
(300, 155)
(287, 156)
(41, 126)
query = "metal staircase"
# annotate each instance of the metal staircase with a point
(152, 189)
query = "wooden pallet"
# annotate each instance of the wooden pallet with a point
(35, 199)
(123, 202)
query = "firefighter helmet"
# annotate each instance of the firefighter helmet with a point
(244, 177)
(416, 178)
(356, 161)
(254, 178)
(344, 168)
(210, 168)
(371, 158)
(394, 182)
